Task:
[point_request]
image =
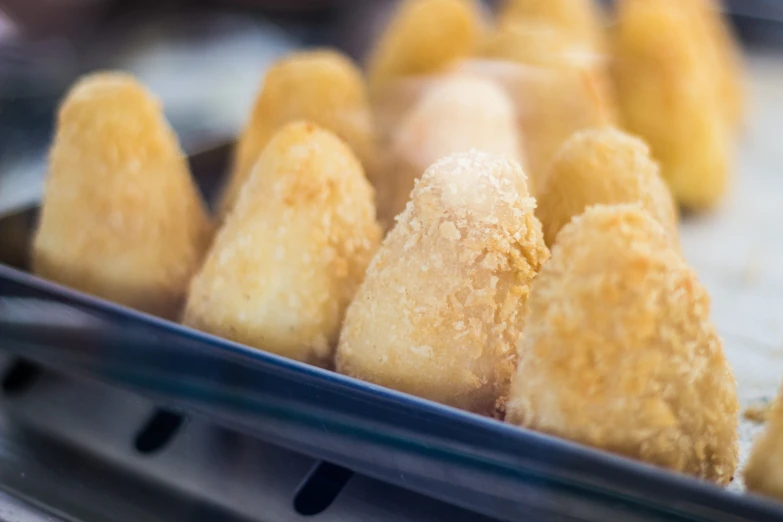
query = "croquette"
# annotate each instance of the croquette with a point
(607, 166)
(557, 88)
(321, 86)
(442, 305)
(291, 254)
(669, 94)
(619, 351)
(423, 37)
(580, 20)
(121, 216)
(456, 114)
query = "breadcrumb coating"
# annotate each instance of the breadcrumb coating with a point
(607, 166)
(581, 20)
(121, 217)
(669, 94)
(456, 114)
(442, 304)
(423, 37)
(764, 471)
(557, 86)
(321, 86)
(290, 256)
(619, 351)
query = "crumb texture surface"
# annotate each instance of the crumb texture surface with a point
(320, 86)
(603, 166)
(619, 351)
(121, 218)
(442, 305)
(291, 254)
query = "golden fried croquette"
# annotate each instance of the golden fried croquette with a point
(423, 37)
(457, 114)
(291, 254)
(727, 56)
(557, 87)
(668, 94)
(619, 351)
(603, 165)
(764, 471)
(581, 20)
(442, 304)
(121, 218)
(321, 86)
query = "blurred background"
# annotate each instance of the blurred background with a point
(203, 58)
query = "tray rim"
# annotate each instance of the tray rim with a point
(616, 467)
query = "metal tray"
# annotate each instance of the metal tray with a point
(458, 457)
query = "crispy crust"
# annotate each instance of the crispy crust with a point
(603, 166)
(291, 254)
(122, 218)
(442, 304)
(456, 114)
(619, 351)
(321, 86)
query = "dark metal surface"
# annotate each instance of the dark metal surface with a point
(69, 444)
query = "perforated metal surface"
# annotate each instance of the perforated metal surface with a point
(69, 445)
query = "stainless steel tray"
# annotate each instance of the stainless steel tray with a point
(74, 449)
(466, 460)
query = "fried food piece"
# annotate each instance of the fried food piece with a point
(557, 87)
(668, 93)
(442, 304)
(291, 254)
(619, 351)
(456, 114)
(729, 58)
(603, 165)
(581, 20)
(764, 472)
(121, 218)
(321, 86)
(715, 36)
(423, 37)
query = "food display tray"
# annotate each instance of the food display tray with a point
(477, 463)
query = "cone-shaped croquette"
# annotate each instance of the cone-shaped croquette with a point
(292, 252)
(558, 88)
(669, 94)
(619, 351)
(727, 56)
(423, 37)
(457, 114)
(321, 86)
(603, 165)
(580, 20)
(764, 471)
(121, 218)
(442, 304)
